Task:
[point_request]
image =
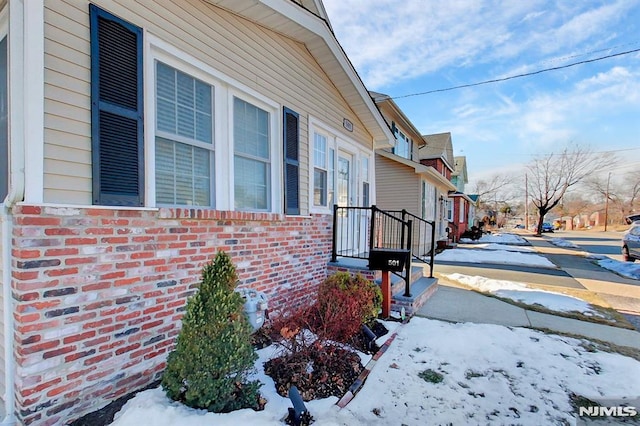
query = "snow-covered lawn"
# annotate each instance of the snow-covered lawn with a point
(494, 256)
(499, 238)
(490, 375)
(520, 292)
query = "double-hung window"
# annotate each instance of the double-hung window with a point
(366, 196)
(324, 165)
(403, 145)
(252, 156)
(449, 203)
(184, 139)
(320, 170)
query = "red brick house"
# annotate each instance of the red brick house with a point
(462, 213)
(139, 139)
(437, 153)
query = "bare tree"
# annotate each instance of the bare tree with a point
(552, 175)
(493, 194)
(623, 194)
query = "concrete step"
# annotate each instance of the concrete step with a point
(421, 291)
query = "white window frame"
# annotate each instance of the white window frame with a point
(462, 219)
(329, 159)
(450, 207)
(403, 141)
(275, 185)
(225, 89)
(337, 142)
(365, 178)
(191, 142)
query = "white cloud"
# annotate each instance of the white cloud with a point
(390, 41)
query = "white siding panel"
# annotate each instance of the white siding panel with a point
(275, 66)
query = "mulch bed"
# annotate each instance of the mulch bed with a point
(105, 415)
(328, 372)
(322, 371)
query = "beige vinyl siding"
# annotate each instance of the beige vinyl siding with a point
(397, 186)
(275, 66)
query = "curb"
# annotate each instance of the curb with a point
(357, 385)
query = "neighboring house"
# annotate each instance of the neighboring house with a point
(459, 177)
(402, 182)
(437, 153)
(142, 138)
(463, 207)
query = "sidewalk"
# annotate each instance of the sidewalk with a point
(459, 305)
(455, 304)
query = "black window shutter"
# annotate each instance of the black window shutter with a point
(291, 162)
(394, 130)
(4, 127)
(116, 110)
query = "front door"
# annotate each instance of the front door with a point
(346, 237)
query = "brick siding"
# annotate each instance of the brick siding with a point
(99, 293)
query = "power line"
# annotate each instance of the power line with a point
(497, 80)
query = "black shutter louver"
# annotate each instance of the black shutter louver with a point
(4, 122)
(291, 162)
(116, 110)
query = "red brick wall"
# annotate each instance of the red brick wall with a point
(99, 293)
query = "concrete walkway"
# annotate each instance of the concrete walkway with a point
(454, 304)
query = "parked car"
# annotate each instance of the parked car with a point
(547, 227)
(631, 243)
(632, 218)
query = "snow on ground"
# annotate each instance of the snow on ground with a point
(499, 238)
(521, 293)
(496, 246)
(561, 242)
(490, 375)
(494, 256)
(626, 269)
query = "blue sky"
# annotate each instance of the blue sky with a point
(412, 46)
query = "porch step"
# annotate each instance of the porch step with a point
(421, 291)
(397, 283)
(421, 287)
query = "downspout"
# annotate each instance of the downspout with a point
(17, 37)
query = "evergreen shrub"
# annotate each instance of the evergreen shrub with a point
(213, 356)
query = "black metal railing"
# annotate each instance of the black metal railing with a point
(358, 230)
(423, 237)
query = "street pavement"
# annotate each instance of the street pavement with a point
(453, 303)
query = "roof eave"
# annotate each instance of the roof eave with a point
(296, 22)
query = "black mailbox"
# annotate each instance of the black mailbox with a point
(388, 259)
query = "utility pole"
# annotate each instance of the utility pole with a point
(526, 201)
(606, 204)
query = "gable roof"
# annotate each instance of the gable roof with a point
(382, 99)
(438, 147)
(306, 21)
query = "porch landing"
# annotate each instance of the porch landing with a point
(421, 289)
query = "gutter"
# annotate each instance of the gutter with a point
(18, 35)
